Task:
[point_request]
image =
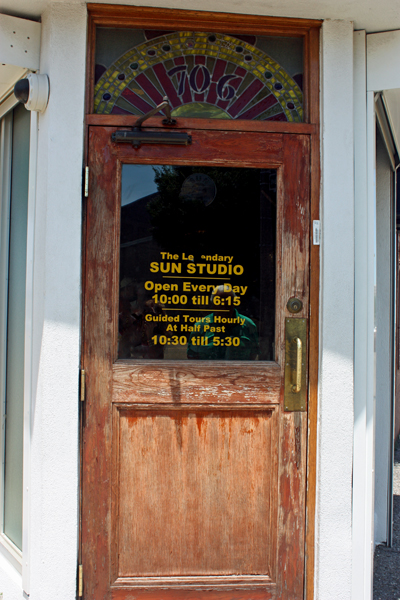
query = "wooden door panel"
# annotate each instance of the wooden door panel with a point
(194, 476)
(224, 146)
(196, 493)
(191, 383)
(179, 591)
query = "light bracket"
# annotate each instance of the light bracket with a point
(137, 136)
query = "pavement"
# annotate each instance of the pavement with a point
(387, 560)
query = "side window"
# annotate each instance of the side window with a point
(14, 168)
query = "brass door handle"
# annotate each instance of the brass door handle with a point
(296, 387)
(295, 395)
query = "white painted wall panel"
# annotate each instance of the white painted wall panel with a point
(56, 334)
(360, 333)
(335, 424)
(366, 14)
(19, 42)
(383, 64)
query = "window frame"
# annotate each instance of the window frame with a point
(18, 558)
(116, 16)
(7, 547)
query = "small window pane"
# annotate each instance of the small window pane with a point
(197, 263)
(16, 327)
(205, 75)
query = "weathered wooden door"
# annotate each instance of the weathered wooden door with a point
(194, 469)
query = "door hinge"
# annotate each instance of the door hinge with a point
(86, 186)
(80, 581)
(83, 385)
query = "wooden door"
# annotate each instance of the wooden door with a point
(194, 474)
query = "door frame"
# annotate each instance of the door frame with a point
(140, 17)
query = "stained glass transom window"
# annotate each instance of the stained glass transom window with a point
(206, 75)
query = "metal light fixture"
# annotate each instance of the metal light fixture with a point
(33, 92)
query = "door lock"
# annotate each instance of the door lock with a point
(294, 305)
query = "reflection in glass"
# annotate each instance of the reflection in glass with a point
(197, 263)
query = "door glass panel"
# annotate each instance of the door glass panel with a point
(197, 263)
(205, 75)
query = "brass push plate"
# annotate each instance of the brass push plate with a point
(295, 398)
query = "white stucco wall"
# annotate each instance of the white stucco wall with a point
(50, 560)
(335, 423)
(10, 580)
(54, 474)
